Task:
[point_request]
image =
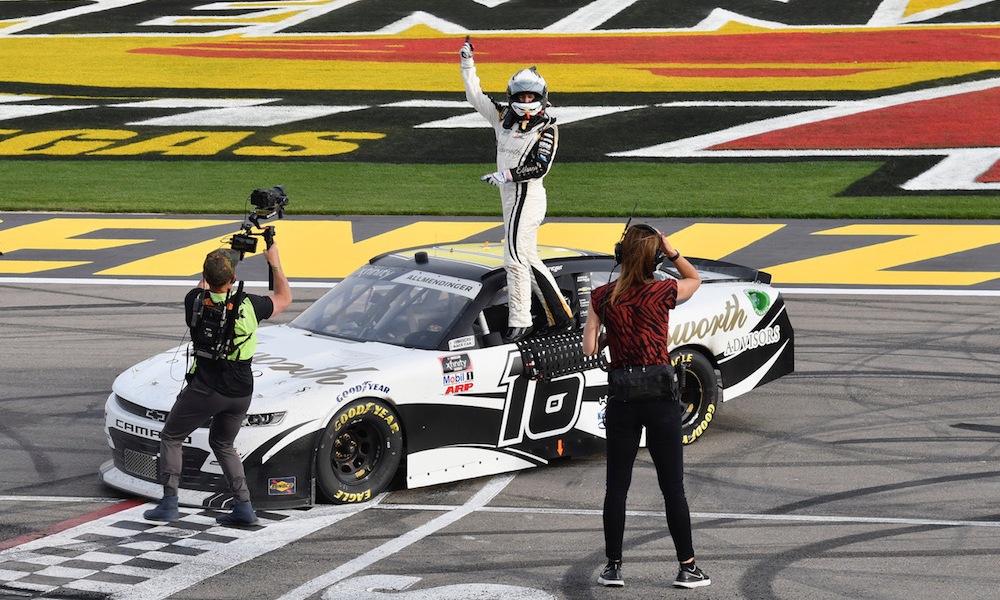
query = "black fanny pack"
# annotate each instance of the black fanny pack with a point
(642, 382)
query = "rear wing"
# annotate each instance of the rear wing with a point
(717, 270)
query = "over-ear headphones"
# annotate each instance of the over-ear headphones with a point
(657, 258)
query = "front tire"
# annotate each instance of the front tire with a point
(359, 452)
(699, 393)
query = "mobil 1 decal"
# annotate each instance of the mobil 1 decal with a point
(911, 83)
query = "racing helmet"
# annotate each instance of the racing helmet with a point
(527, 80)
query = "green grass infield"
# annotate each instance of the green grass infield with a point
(786, 190)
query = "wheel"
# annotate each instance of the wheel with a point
(699, 393)
(359, 452)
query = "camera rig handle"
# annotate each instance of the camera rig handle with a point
(268, 236)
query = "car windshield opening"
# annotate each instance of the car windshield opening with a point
(391, 305)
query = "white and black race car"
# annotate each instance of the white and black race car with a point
(399, 377)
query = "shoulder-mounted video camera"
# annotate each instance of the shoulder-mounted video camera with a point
(267, 204)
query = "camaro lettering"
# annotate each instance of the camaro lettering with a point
(754, 339)
(734, 317)
(139, 430)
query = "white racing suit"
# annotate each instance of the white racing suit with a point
(525, 147)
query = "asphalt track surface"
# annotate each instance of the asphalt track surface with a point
(871, 472)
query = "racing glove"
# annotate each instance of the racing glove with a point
(466, 54)
(499, 178)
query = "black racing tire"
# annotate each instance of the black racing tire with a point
(699, 393)
(359, 452)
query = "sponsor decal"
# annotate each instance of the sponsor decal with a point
(323, 375)
(281, 486)
(754, 339)
(456, 362)
(733, 317)
(371, 272)
(760, 300)
(462, 343)
(457, 374)
(453, 285)
(361, 388)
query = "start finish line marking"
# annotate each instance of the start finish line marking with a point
(199, 549)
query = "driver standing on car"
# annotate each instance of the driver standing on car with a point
(526, 146)
(220, 389)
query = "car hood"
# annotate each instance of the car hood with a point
(288, 361)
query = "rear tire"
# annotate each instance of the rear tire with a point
(699, 393)
(359, 452)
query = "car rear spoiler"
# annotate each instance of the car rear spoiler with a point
(717, 270)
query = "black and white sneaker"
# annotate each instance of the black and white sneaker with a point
(691, 577)
(612, 574)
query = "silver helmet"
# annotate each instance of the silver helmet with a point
(527, 80)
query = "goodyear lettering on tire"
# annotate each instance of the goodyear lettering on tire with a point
(702, 426)
(357, 411)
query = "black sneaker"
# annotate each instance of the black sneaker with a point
(612, 574)
(691, 578)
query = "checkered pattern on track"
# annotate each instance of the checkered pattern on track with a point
(115, 553)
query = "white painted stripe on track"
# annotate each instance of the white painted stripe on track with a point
(455, 513)
(58, 499)
(706, 515)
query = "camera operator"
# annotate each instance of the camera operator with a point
(219, 389)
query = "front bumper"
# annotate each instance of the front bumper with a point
(280, 479)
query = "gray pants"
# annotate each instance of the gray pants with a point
(195, 404)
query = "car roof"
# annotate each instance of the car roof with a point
(471, 260)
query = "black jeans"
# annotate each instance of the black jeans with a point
(623, 422)
(195, 404)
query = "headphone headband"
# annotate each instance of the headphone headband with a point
(657, 258)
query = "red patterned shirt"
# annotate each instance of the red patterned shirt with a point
(638, 322)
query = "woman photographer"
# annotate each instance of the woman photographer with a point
(642, 390)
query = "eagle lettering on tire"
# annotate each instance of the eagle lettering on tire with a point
(359, 451)
(699, 392)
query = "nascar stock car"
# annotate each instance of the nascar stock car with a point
(399, 377)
